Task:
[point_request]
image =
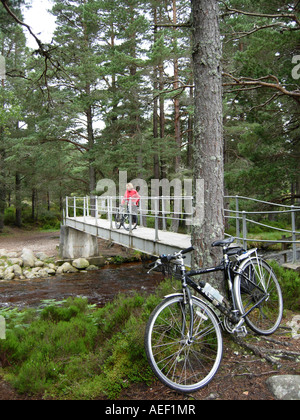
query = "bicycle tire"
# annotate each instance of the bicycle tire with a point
(118, 220)
(256, 279)
(126, 221)
(183, 366)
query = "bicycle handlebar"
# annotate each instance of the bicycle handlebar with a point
(162, 259)
(185, 251)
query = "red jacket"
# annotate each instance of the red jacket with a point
(134, 195)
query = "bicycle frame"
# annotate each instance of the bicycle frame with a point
(232, 315)
(226, 266)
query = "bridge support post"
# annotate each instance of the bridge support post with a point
(75, 244)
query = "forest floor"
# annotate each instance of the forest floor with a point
(245, 367)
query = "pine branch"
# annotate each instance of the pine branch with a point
(246, 82)
(79, 147)
(44, 52)
(239, 35)
(291, 16)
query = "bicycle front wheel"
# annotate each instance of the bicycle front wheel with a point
(258, 293)
(180, 363)
(126, 221)
(118, 220)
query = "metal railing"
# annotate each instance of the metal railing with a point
(245, 218)
(161, 213)
(177, 212)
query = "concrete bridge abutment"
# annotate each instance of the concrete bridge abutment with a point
(75, 244)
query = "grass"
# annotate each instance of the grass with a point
(72, 350)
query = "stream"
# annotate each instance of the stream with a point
(99, 287)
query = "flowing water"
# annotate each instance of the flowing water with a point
(99, 286)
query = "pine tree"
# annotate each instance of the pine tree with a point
(77, 86)
(261, 121)
(12, 46)
(208, 141)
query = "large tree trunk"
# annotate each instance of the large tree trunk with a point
(208, 131)
(2, 185)
(18, 200)
(176, 99)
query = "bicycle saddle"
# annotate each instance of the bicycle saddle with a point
(223, 242)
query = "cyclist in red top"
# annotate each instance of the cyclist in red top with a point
(132, 198)
(131, 193)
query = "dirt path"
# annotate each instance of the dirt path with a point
(14, 240)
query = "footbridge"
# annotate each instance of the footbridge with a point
(87, 218)
(164, 225)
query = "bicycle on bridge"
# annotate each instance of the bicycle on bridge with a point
(183, 338)
(124, 217)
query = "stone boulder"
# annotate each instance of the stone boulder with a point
(81, 263)
(12, 254)
(92, 268)
(66, 268)
(17, 270)
(3, 252)
(39, 263)
(28, 274)
(28, 258)
(43, 272)
(285, 387)
(14, 261)
(9, 273)
(42, 256)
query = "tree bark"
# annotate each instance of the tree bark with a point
(176, 99)
(2, 182)
(18, 200)
(208, 131)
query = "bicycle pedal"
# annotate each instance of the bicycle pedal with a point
(241, 331)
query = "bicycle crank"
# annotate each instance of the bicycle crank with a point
(238, 329)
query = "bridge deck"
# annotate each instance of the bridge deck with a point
(142, 239)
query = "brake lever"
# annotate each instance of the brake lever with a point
(156, 264)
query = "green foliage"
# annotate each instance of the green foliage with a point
(48, 219)
(290, 285)
(116, 66)
(70, 349)
(260, 124)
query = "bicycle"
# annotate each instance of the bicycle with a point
(123, 217)
(183, 337)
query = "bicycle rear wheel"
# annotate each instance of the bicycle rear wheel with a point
(126, 221)
(118, 219)
(182, 365)
(257, 290)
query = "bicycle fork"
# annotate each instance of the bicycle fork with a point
(187, 301)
